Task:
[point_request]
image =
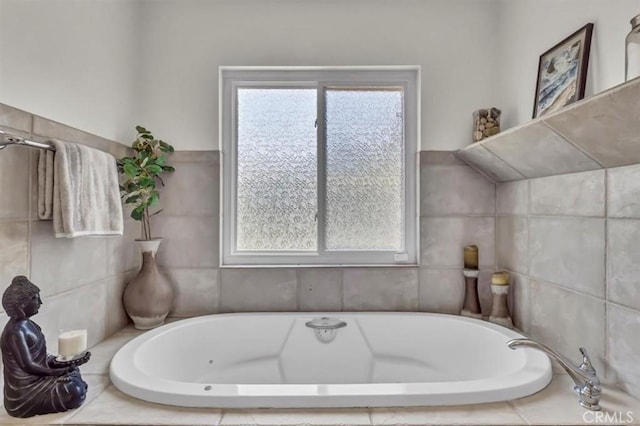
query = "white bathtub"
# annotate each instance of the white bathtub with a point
(376, 360)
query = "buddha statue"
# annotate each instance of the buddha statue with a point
(34, 381)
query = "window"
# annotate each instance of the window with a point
(319, 165)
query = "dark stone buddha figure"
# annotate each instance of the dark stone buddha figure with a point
(34, 381)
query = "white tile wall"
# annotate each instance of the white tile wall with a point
(576, 194)
(80, 279)
(520, 301)
(513, 198)
(188, 241)
(450, 190)
(14, 181)
(556, 315)
(442, 240)
(569, 252)
(16, 119)
(623, 195)
(623, 329)
(512, 235)
(583, 230)
(623, 265)
(319, 289)
(441, 290)
(14, 250)
(380, 289)
(196, 291)
(62, 264)
(258, 290)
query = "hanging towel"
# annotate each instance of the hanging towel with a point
(84, 187)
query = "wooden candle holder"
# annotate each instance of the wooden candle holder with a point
(471, 306)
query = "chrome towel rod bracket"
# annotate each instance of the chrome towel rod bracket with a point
(7, 139)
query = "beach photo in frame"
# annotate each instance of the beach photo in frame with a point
(562, 72)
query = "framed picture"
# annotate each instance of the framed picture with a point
(562, 72)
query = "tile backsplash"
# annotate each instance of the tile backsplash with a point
(81, 280)
(457, 208)
(573, 240)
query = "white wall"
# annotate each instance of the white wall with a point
(2, 52)
(106, 65)
(528, 28)
(71, 61)
(187, 41)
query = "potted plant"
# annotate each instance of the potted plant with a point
(149, 296)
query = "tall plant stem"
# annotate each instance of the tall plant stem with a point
(147, 222)
(143, 228)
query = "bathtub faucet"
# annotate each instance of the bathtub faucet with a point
(583, 375)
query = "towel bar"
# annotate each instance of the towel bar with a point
(9, 139)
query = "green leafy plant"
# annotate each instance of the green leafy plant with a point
(142, 176)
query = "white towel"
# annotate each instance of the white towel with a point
(84, 198)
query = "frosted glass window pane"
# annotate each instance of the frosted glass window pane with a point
(364, 169)
(276, 169)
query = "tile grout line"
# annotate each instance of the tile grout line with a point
(628, 219)
(481, 172)
(82, 286)
(570, 142)
(30, 207)
(418, 232)
(531, 216)
(11, 220)
(223, 413)
(67, 420)
(459, 215)
(501, 160)
(528, 257)
(564, 217)
(518, 413)
(621, 306)
(219, 290)
(571, 290)
(108, 282)
(342, 271)
(298, 290)
(496, 264)
(606, 274)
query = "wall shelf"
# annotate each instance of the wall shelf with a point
(602, 131)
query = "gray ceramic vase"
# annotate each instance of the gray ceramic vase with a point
(148, 298)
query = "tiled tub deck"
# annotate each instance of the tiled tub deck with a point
(105, 405)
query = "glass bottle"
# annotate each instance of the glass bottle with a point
(632, 51)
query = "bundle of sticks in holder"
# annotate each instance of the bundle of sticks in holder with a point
(486, 122)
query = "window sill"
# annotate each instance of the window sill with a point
(391, 265)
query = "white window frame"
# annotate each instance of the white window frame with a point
(231, 78)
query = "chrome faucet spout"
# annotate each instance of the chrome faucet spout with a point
(583, 375)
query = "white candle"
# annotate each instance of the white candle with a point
(72, 343)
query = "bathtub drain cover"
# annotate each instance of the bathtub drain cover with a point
(325, 328)
(325, 335)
